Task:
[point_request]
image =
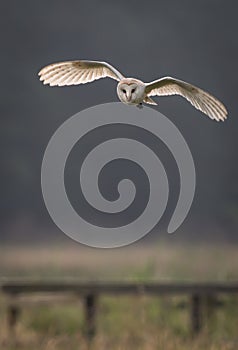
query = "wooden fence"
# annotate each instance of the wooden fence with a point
(198, 294)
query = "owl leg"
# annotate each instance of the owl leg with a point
(140, 106)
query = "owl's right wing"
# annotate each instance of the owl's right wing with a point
(77, 72)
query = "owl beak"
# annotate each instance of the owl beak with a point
(128, 96)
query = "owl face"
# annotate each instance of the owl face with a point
(131, 91)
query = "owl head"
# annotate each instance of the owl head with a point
(130, 91)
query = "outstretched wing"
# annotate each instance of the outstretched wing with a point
(77, 72)
(197, 97)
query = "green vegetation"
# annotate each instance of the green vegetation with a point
(123, 322)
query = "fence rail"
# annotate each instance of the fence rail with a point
(198, 293)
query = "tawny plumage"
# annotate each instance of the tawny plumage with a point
(131, 91)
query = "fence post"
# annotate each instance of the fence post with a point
(13, 313)
(90, 313)
(196, 313)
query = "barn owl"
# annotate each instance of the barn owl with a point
(131, 91)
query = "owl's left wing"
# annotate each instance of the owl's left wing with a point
(77, 72)
(200, 99)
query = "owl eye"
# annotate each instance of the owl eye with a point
(133, 90)
(124, 91)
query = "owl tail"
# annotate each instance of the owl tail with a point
(149, 100)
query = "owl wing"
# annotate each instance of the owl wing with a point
(77, 72)
(197, 97)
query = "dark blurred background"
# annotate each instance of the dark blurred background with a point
(194, 41)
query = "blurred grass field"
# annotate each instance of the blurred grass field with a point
(162, 262)
(125, 322)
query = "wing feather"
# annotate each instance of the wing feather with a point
(200, 99)
(77, 72)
